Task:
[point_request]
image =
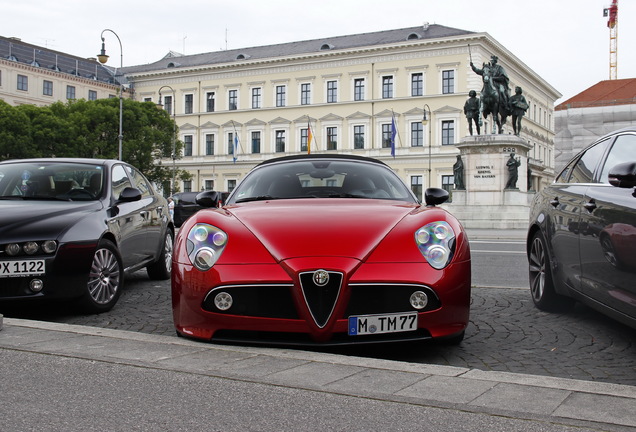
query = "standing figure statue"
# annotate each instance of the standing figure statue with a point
(513, 165)
(471, 110)
(495, 94)
(518, 107)
(458, 174)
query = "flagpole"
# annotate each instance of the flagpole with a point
(309, 135)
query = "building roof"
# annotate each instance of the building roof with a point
(173, 60)
(604, 93)
(13, 49)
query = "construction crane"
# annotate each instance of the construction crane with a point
(611, 13)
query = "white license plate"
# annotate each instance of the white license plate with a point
(21, 268)
(375, 324)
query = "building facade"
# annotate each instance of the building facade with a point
(31, 74)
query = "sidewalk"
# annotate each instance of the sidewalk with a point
(562, 401)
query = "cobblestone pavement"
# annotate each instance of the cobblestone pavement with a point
(506, 333)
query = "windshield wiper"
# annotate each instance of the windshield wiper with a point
(255, 198)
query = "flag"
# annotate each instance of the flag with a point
(309, 136)
(393, 133)
(235, 149)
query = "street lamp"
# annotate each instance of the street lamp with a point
(174, 134)
(103, 58)
(425, 120)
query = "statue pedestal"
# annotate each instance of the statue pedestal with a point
(486, 203)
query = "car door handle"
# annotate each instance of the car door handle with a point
(554, 202)
(590, 206)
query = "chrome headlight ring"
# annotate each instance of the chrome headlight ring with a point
(205, 244)
(436, 242)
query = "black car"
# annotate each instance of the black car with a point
(71, 229)
(582, 237)
(185, 205)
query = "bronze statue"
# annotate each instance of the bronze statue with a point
(518, 107)
(513, 174)
(458, 173)
(495, 93)
(471, 110)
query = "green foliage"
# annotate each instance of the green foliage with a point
(90, 129)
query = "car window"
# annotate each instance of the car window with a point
(140, 181)
(120, 180)
(623, 150)
(583, 170)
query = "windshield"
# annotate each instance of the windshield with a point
(51, 181)
(321, 178)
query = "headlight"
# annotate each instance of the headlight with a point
(436, 242)
(205, 245)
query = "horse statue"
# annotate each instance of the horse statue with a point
(491, 103)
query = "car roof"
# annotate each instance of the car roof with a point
(67, 160)
(322, 156)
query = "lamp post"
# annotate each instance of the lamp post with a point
(174, 134)
(425, 120)
(103, 58)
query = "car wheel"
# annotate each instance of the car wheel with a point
(542, 287)
(161, 269)
(105, 279)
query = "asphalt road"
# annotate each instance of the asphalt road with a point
(506, 332)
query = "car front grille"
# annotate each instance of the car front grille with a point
(266, 301)
(384, 298)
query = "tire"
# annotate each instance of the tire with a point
(105, 279)
(162, 268)
(542, 286)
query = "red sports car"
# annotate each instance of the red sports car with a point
(322, 250)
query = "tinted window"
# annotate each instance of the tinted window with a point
(583, 171)
(140, 181)
(120, 180)
(623, 150)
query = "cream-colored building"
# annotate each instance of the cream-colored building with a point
(31, 74)
(346, 91)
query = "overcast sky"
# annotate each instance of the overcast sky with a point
(565, 41)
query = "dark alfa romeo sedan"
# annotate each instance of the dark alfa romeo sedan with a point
(71, 228)
(582, 237)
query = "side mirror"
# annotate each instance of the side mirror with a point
(435, 196)
(129, 194)
(208, 199)
(623, 175)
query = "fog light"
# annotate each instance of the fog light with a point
(223, 301)
(419, 299)
(204, 259)
(12, 249)
(36, 285)
(30, 248)
(49, 246)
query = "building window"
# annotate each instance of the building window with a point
(332, 138)
(209, 185)
(417, 84)
(70, 92)
(358, 89)
(209, 102)
(187, 145)
(256, 98)
(92, 95)
(189, 103)
(416, 186)
(280, 141)
(168, 104)
(230, 143)
(305, 94)
(187, 185)
(280, 95)
(47, 88)
(147, 99)
(448, 81)
(256, 142)
(417, 134)
(209, 144)
(23, 82)
(447, 183)
(448, 132)
(358, 137)
(387, 87)
(232, 97)
(332, 91)
(386, 135)
(231, 184)
(304, 137)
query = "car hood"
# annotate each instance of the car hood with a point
(41, 219)
(321, 227)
